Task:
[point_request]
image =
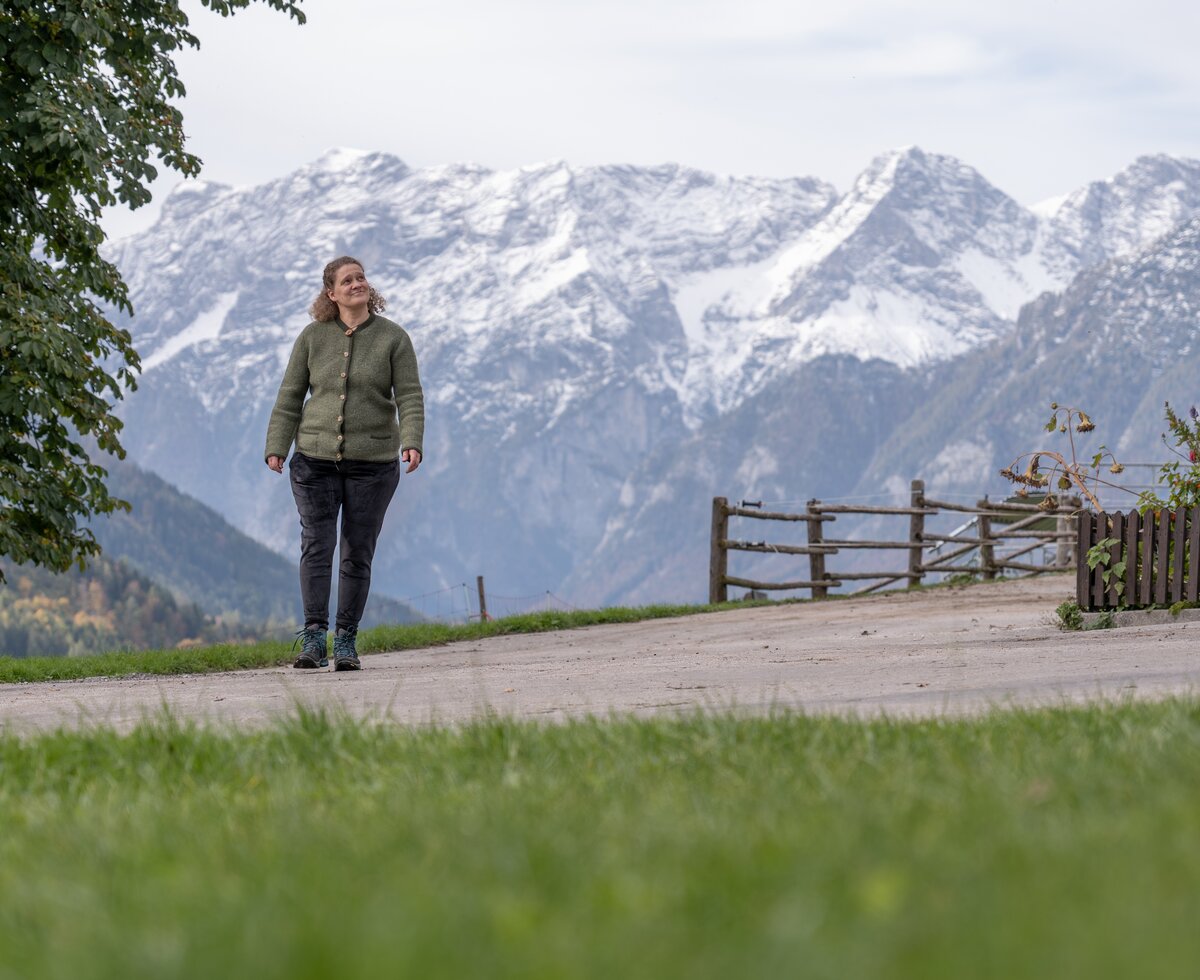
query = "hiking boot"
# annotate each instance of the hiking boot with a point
(314, 652)
(345, 657)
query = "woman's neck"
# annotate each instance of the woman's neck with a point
(355, 317)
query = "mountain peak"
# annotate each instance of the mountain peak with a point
(1120, 215)
(191, 197)
(909, 174)
(349, 160)
(340, 158)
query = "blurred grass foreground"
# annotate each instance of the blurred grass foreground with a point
(1060, 843)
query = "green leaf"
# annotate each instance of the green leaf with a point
(1100, 552)
(85, 97)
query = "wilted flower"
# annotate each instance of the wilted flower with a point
(1085, 423)
(1117, 468)
(1049, 503)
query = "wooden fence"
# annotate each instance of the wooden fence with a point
(1150, 559)
(990, 527)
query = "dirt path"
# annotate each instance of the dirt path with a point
(926, 653)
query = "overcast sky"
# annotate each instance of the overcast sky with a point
(1041, 97)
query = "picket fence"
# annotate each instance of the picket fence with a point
(1149, 559)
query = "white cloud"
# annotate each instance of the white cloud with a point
(1040, 97)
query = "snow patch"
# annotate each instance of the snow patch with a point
(897, 486)
(759, 463)
(1006, 286)
(962, 464)
(896, 327)
(340, 158)
(197, 186)
(733, 290)
(206, 327)
(556, 276)
(1049, 207)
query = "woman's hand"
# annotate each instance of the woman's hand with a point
(276, 463)
(412, 457)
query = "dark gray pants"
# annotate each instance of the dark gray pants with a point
(362, 492)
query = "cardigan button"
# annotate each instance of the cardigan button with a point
(338, 457)
(345, 353)
(342, 397)
(343, 374)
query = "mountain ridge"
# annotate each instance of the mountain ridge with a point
(585, 333)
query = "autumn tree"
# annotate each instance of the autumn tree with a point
(87, 97)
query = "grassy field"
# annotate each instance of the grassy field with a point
(202, 660)
(1050, 844)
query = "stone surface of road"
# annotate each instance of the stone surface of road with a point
(925, 653)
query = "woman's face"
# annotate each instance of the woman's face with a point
(350, 287)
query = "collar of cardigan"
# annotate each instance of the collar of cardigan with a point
(349, 330)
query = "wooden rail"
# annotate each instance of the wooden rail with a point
(997, 525)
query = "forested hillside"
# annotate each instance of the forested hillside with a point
(172, 571)
(110, 606)
(193, 551)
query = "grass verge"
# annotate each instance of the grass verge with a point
(202, 660)
(1035, 844)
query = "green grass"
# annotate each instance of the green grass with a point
(228, 656)
(1025, 844)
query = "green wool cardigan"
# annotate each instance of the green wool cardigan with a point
(359, 382)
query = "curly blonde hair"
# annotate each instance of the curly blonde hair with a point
(324, 309)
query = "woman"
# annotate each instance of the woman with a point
(362, 373)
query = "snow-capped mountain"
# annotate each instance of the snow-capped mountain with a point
(1118, 343)
(602, 347)
(921, 260)
(1110, 218)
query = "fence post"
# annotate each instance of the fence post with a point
(1063, 553)
(916, 534)
(718, 556)
(816, 559)
(987, 550)
(483, 613)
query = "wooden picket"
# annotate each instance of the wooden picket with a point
(1156, 548)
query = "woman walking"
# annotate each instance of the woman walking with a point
(365, 410)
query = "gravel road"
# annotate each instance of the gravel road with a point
(934, 652)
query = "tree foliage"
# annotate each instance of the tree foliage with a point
(109, 606)
(86, 105)
(1181, 475)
